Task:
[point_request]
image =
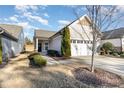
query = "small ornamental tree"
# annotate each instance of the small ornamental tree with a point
(0, 51)
(65, 44)
(108, 47)
(100, 21)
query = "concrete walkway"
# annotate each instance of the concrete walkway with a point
(50, 60)
(114, 65)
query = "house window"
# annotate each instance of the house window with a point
(78, 41)
(74, 41)
(88, 42)
(82, 41)
(91, 42)
(85, 41)
(46, 46)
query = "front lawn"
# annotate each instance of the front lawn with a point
(55, 76)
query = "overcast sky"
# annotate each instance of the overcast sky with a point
(50, 18)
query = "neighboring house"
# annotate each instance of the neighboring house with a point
(116, 37)
(81, 39)
(41, 40)
(12, 38)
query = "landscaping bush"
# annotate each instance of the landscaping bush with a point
(115, 54)
(108, 47)
(114, 51)
(65, 43)
(53, 53)
(39, 60)
(122, 55)
(36, 59)
(33, 54)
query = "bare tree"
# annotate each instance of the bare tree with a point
(102, 18)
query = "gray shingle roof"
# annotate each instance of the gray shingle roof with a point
(116, 33)
(14, 30)
(44, 33)
(3, 32)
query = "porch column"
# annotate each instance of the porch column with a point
(36, 44)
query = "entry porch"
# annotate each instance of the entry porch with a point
(42, 45)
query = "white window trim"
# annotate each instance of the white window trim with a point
(45, 46)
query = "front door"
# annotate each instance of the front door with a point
(39, 47)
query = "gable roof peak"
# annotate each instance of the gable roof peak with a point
(13, 30)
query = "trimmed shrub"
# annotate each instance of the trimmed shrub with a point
(108, 47)
(33, 54)
(65, 44)
(53, 53)
(115, 54)
(36, 59)
(114, 51)
(39, 60)
(122, 55)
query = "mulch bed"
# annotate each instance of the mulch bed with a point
(99, 78)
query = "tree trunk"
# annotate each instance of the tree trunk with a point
(93, 52)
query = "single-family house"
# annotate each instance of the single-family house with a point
(116, 37)
(80, 36)
(12, 40)
(41, 40)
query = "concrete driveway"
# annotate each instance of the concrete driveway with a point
(115, 65)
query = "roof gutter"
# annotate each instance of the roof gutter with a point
(4, 33)
(1, 31)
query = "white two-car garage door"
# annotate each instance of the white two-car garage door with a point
(80, 49)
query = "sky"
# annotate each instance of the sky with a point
(51, 18)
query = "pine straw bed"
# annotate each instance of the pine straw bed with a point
(99, 78)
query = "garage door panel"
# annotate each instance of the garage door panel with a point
(78, 49)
